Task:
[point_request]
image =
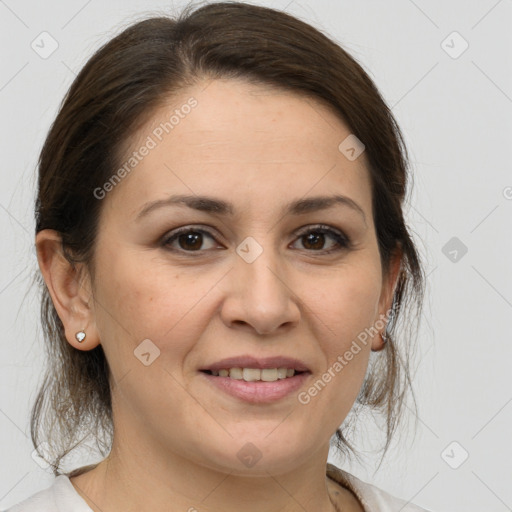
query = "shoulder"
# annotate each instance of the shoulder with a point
(61, 496)
(371, 497)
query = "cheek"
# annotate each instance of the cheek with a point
(346, 307)
(344, 310)
(141, 298)
(347, 304)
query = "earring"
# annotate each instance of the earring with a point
(80, 336)
(385, 339)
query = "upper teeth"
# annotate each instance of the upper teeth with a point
(252, 374)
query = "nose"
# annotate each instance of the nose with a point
(258, 296)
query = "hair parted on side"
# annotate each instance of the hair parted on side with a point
(117, 90)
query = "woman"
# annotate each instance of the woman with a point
(220, 232)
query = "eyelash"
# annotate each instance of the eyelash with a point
(343, 241)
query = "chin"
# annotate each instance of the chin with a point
(259, 454)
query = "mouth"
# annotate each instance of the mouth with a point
(255, 374)
(257, 380)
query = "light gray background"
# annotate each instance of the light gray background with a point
(456, 115)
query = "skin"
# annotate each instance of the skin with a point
(176, 436)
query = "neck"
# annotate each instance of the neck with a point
(136, 482)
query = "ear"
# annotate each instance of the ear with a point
(70, 289)
(389, 284)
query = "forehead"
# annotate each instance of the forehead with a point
(222, 136)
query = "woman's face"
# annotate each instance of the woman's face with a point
(265, 278)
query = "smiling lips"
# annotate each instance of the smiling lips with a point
(255, 374)
(257, 380)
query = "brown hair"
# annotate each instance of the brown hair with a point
(117, 90)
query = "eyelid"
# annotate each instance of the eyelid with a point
(321, 227)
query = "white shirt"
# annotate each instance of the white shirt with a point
(61, 496)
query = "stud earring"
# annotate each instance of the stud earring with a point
(385, 339)
(80, 336)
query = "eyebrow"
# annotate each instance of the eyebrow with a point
(223, 208)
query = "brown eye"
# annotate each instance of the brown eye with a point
(188, 240)
(315, 239)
